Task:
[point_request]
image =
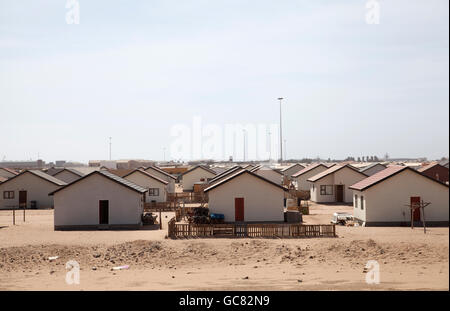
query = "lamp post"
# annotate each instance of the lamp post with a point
(281, 134)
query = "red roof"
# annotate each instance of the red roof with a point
(377, 177)
(427, 167)
(332, 170)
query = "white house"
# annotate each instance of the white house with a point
(373, 169)
(157, 172)
(382, 198)
(99, 200)
(7, 172)
(290, 170)
(30, 185)
(157, 187)
(268, 173)
(300, 178)
(68, 175)
(199, 173)
(246, 196)
(332, 184)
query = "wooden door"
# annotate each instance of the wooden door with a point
(416, 215)
(22, 199)
(238, 209)
(339, 193)
(103, 212)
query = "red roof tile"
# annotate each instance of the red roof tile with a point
(377, 177)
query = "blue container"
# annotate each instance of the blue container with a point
(217, 216)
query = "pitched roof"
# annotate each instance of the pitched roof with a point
(160, 171)
(200, 166)
(148, 175)
(41, 175)
(427, 167)
(332, 170)
(309, 168)
(227, 172)
(69, 170)
(244, 171)
(291, 166)
(111, 176)
(216, 180)
(2, 179)
(265, 168)
(385, 174)
(9, 170)
(370, 166)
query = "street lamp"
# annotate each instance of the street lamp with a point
(281, 134)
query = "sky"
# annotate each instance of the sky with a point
(137, 71)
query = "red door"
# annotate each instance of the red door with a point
(416, 215)
(238, 209)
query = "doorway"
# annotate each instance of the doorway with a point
(103, 212)
(23, 199)
(416, 214)
(238, 209)
(340, 193)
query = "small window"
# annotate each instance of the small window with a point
(326, 190)
(362, 202)
(8, 195)
(153, 192)
(355, 201)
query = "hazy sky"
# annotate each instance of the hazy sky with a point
(134, 69)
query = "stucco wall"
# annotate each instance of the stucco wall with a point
(302, 183)
(385, 202)
(194, 176)
(66, 176)
(171, 181)
(315, 190)
(78, 204)
(262, 201)
(148, 182)
(36, 187)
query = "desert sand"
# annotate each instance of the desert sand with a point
(408, 259)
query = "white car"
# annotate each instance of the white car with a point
(341, 218)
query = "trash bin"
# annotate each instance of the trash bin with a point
(33, 204)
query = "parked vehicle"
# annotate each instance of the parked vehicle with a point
(341, 218)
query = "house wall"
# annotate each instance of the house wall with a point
(36, 187)
(347, 177)
(148, 182)
(315, 190)
(373, 170)
(78, 204)
(270, 175)
(385, 202)
(66, 176)
(171, 181)
(302, 183)
(357, 211)
(194, 176)
(262, 201)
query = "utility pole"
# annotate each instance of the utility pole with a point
(110, 148)
(281, 134)
(285, 152)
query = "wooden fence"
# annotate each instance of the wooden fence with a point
(249, 230)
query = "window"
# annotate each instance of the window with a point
(355, 201)
(153, 192)
(326, 190)
(362, 202)
(8, 195)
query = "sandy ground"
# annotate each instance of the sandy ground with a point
(408, 259)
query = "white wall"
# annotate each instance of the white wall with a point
(315, 190)
(66, 176)
(194, 176)
(302, 183)
(148, 182)
(385, 202)
(78, 204)
(36, 187)
(262, 201)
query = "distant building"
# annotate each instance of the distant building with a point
(156, 187)
(199, 173)
(68, 175)
(268, 173)
(290, 170)
(300, 178)
(23, 164)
